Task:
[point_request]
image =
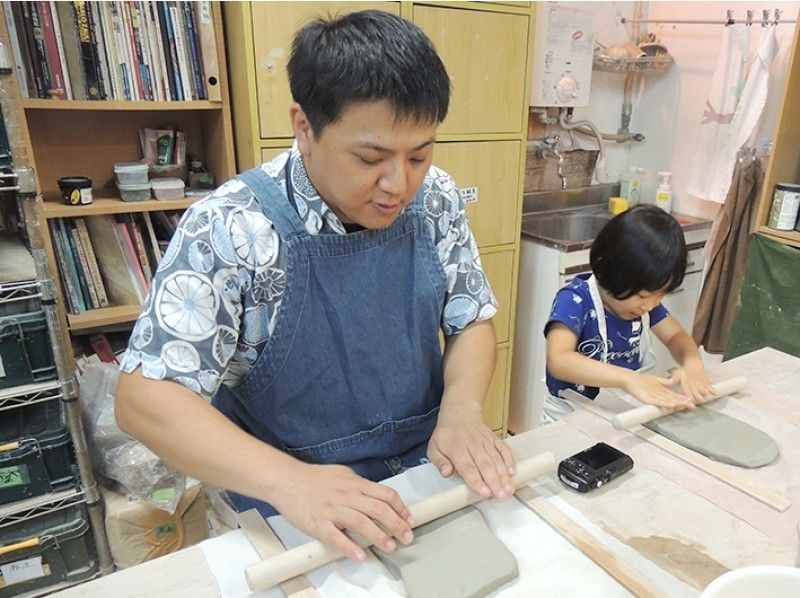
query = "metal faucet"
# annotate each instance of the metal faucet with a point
(550, 148)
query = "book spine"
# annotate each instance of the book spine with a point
(67, 290)
(204, 23)
(120, 50)
(96, 35)
(16, 51)
(87, 53)
(83, 266)
(156, 52)
(91, 260)
(130, 56)
(71, 262)
(180, 50)
(169, 68)
(131, 257)
(109, 39)
(138, 242)
(72, 49)
(83, 285)
(151, 234)
(136, 55)
(194, 50)
(40, 51)
(140, 35)
(62, 58)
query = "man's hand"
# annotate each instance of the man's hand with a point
(324, 500)
(656, 391)
(463, 444)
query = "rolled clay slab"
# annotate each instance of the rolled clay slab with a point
(718, 437)
(455, 556)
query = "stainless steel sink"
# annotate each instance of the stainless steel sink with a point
(569, 226)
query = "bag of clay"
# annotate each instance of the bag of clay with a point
(117, 456)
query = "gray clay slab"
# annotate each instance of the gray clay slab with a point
(718, 436)
(456, 556)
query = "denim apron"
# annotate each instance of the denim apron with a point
(352, 372)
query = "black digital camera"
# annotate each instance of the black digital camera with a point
(593, 467)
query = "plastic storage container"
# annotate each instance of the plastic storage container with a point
(168, 188)
(131, 173)
(135, 192)
(25, 353)
(36, 466)
(49, 549)
(32, 419)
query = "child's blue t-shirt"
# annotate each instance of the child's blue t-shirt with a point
(574, 308)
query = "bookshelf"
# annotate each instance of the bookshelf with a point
(61, 137)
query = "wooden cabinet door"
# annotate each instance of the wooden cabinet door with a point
(493, 169)
(499, 269)
(274, 25)
(267, 153)
(495, 403)
(485, 54)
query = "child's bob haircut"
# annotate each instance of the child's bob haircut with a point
(367, 56)
(640, 249)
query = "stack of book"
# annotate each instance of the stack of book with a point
(109, 260)
(122, 50)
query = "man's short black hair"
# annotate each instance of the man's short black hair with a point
(641, 249)
(365, 56)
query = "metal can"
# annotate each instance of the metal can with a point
(785, 206)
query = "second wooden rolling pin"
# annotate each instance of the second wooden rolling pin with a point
(647, 413)
(307, 557)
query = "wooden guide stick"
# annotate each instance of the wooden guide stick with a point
(312, 555)
(761, 493)
(647, 413)
(633, 580)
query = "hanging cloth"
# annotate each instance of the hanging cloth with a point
(718, 112)
(726, 257)
(748, 112)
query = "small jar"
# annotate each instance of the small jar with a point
(76, 190)
(785, 206)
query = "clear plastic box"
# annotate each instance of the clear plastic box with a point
(168, 188)
(136, 192)
(131, 173)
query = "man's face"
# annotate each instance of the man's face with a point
(367, 165)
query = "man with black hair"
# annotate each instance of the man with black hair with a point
(598, 333)
(305, 297)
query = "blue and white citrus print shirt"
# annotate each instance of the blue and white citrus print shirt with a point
(218, 289)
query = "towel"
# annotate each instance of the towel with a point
(747, 114)
(718, 113)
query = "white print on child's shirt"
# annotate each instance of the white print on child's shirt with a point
(593, 346)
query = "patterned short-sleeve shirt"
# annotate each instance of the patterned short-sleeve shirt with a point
(218, 289)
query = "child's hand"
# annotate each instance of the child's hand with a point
(691, 376)
(656, 391)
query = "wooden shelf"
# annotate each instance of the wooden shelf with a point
(44, 104)
(54, 209)
(104, 316)
(789, 237)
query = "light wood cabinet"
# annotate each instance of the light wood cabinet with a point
(485, 54)
(490, 169)
(784, 162)
(486, 48)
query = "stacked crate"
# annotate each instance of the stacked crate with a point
(45, 542)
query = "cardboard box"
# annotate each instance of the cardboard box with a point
(138, 532)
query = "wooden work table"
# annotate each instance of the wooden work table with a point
(675, 524)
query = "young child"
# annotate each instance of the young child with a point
(598, 334)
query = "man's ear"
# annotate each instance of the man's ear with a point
(301, 127)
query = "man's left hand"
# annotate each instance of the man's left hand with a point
(463, 444)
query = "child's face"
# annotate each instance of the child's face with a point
(634, 306)
(367, 165)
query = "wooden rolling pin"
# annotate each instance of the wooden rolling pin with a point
(307, 557)
(647, 413)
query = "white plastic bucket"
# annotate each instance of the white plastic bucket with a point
(775, 581)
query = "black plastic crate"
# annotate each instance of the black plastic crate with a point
(21, 416)
(34, 466)
(25, 352)
(50, 549)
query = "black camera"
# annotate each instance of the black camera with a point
(593, 467)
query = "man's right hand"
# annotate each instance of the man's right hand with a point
(325, 500)
(656, 391)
